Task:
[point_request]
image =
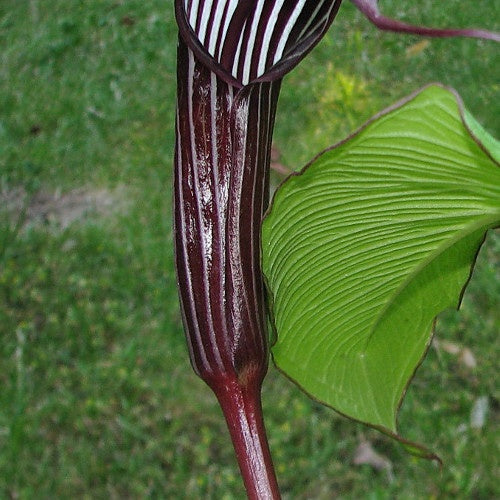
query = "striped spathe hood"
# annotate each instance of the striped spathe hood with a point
(246, 41)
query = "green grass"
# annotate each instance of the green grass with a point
(97, 397)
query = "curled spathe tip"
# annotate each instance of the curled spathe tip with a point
(371, 10)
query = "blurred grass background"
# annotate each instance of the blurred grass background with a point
(97, 397)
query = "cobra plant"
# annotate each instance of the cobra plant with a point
(232, 56)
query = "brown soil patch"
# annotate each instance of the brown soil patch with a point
(56, 208)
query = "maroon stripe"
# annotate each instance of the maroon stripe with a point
(221, 187)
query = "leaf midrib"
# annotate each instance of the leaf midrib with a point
(486, 222)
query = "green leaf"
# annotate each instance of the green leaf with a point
(365, 246)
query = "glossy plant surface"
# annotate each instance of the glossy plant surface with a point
(231, 58)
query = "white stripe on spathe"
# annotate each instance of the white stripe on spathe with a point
(271, 23)
(216, 27)
(237, 55)
(218, 203)
(229, 16)
(187, 266)
(288, 28)
(256, 176)
(316, 10)
(199, 214)
(251, 42)
(185, 257)
(205, 16)
(193, 13)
